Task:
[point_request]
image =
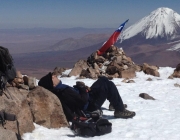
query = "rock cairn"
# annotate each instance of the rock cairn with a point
(113, 64)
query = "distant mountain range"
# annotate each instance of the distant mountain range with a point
(70, 44)
(155, 39)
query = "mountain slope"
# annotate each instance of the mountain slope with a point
(37, 64)
(154, 38)
(161, 23)
(74, 44)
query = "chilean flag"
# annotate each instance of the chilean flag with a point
(112, 39)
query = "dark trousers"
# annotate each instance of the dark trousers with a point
(104, 89)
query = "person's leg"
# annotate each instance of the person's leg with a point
(114, 97)
(68, 112)
(104, 89)
(98, 93)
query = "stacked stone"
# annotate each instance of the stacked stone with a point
(24, 82)
(113, 64)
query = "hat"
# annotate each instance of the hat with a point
(46, 81)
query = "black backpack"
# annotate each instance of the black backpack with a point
(87, 127)
(7, 69)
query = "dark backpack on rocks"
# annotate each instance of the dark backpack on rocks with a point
(86, 127)
(7, 69)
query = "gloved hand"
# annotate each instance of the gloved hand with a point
(80, 86)
(82, 91)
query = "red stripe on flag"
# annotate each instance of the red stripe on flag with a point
(111, 40)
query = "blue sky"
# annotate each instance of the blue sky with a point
(77, 13)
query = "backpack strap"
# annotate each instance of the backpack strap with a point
(18, 134)
(10, 117)
(2, 120)
(3, 82)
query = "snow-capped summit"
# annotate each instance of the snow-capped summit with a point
(161, 23)
(153, 38)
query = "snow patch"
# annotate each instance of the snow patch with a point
(155, 119)
(174, 48)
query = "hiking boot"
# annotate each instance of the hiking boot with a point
(124, 114)
(111, 107)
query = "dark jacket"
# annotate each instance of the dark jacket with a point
(72, 102)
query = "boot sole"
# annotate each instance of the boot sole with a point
(125, 117)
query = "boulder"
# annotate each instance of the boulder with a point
(137, 68)
(111, 70)
(176, 85)
(178, 67)
(58, 70)
(131, 81)
(146, 96)
(100, 59)
(93, 73)
(176, 73)
(149, 79)
(170, 77)
(46, 108)
(151, 70)
(30, 82)
(125, 80)
(118, 59)
(116, 75)
(78, 67)
(128, 73)
(85, 74)
(14, 101)
(18, 80)
(96, 68)
(7, 134)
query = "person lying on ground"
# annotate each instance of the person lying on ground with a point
(80, 97)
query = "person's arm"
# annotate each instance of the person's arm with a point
(82, 91)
